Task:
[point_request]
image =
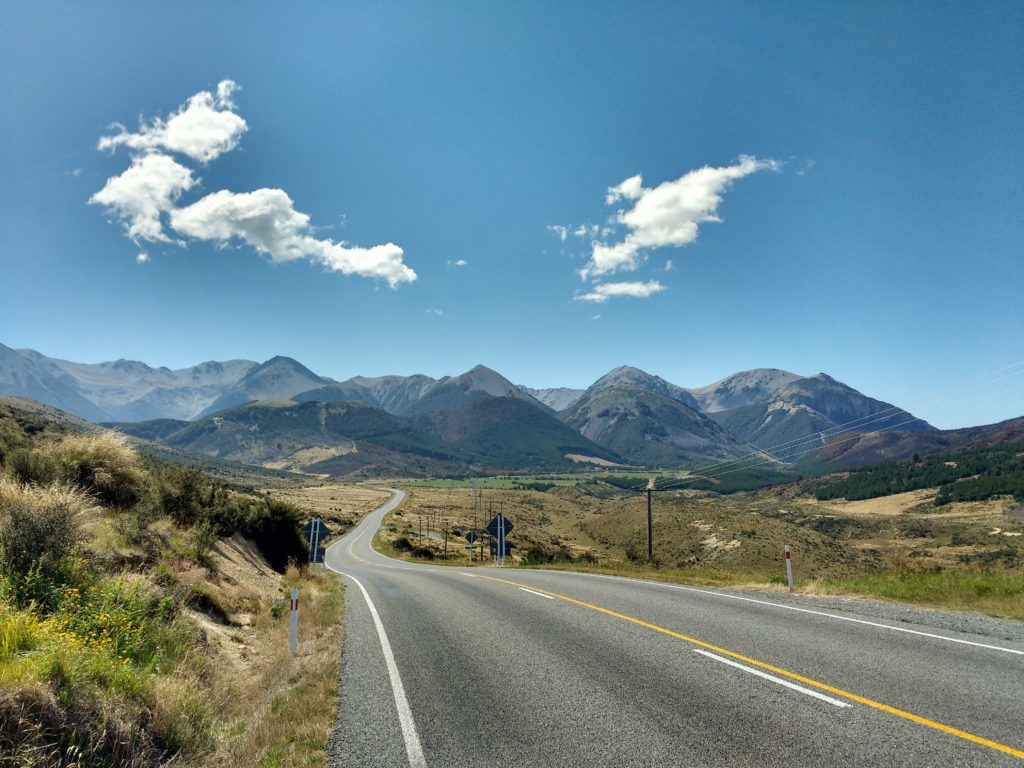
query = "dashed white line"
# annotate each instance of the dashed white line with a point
(538, 594)
(772, 678)
(809, 610)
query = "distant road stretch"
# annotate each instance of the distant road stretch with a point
(450, 667)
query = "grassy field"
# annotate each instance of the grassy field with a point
(964, 556)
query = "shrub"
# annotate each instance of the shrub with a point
(41, 529)
(180, 492)
(201, 542)
(276, 530)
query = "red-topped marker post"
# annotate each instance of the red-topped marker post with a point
(294, 603)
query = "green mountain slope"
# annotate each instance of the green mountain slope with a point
(513, 434)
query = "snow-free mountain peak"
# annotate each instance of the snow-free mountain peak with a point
(629, 375)
(742, 389)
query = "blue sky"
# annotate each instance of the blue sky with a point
(861, 211)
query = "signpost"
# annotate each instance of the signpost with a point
(294, 605)
(315, 532)
(499, 528)
(789, 567)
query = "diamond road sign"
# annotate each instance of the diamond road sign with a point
(493, 529)
(471, 537)
(322, 530)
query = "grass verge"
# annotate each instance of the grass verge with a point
(279, 715)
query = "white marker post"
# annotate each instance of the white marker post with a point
(295, 621)
(789, 567)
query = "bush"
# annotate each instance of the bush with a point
(41, 529)
(201, 542)
(180, 492)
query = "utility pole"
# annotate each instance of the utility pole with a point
(650, 490)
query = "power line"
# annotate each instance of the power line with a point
(849, 426)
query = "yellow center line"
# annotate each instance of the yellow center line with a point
(779, 671)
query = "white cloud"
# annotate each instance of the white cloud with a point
(596, 317)
(630, 189)
(666, 215)
(669, 265)
(267, 220)
(204, 128)
(435, 311)
(144, 192)
(558, 229)
(457, 263)
(601, 293)
(142, 258)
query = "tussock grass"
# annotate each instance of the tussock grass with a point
(103, 464)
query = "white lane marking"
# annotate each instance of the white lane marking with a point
(538, 594)
(467, 575)
(412, 739)
(773, 678)
(808, 610)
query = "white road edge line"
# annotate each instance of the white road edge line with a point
(412, 739)
(809, 610)
(538, 594)
(773, 678)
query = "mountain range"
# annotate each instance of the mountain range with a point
(281, 414)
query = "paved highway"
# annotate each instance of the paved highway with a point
(445, 666)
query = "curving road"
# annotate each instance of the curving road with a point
(452, 667)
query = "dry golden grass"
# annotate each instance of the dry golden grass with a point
(964, 556)
(276, 710)
(340, 505)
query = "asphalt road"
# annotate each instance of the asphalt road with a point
(445, 666)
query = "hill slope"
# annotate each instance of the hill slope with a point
(805, 408)
(277, 379)
(513, 434)
(333, 438)
(650, 429)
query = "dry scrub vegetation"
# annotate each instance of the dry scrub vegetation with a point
(967, 555)
(141, 613)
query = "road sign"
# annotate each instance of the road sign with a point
(314, 532)
(494, 529)
(471, 537)
(506, 553)
(307, 529)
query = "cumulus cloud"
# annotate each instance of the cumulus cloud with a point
(267, 220)
(147, 194)
(457, 263)
(203, 129)
(599, 294)
(666, 215)
(143, 193)
(142, 258)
